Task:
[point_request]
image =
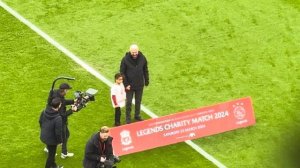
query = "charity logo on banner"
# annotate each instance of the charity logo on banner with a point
(182, 126)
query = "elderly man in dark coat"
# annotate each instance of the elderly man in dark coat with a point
(134, 67)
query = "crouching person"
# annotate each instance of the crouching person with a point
(99, 151)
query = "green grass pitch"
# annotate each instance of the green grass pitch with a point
(200, 53)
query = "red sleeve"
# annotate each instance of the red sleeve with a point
(114, 99)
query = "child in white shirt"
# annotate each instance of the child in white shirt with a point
(118, 97)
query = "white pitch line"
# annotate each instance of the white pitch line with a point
(97, 75)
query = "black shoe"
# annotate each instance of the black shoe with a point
(117, 124)
(138, 119)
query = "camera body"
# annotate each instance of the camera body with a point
(82, 98)
(109, 163)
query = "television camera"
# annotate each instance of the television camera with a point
(82, 98)
(109, 163)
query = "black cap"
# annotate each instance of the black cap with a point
(65, 86)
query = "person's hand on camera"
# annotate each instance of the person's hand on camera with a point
(102, 159)
(74, 108)
(128, 87)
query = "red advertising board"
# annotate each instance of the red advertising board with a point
(179, 127)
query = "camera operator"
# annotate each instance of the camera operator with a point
(60, 93)
(99, 151)
(51, 130)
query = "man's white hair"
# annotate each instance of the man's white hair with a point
(133, 46)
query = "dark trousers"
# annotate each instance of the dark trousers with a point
(51, 156)
(138, 93)
(117, 115)
(65, 137)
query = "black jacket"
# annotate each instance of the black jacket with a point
(135, 71)
(93, 151)
(63, 109)
(51, 127)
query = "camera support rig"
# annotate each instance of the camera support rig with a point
(53, 84)
(82, 98)
(62, 77)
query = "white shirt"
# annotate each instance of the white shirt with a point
(119, 91)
